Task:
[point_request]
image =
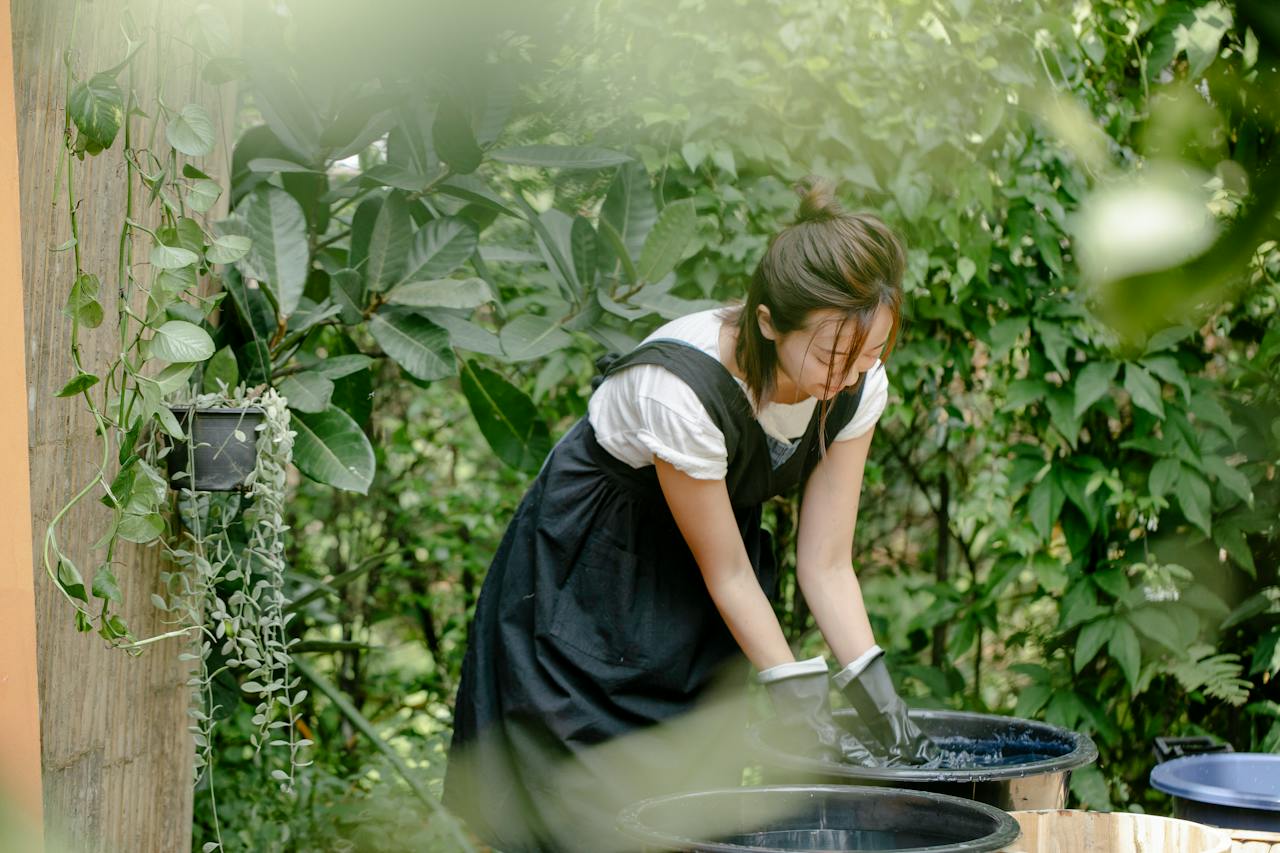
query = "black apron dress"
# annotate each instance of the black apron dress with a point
(594, 625)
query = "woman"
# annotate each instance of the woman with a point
(635, 577)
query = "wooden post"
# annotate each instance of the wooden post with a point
(115, 749)
(19, 700)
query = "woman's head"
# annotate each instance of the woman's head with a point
(825, 300)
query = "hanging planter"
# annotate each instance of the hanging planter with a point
(225, 448)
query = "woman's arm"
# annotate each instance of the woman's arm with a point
(824, 551)
(705, 517)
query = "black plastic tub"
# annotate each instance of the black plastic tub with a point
(816, 817)
(1237, 790)
(1006, 762)
(226, 449)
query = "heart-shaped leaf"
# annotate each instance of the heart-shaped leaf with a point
(191, 131)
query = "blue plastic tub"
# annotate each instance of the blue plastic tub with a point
(1239, 790)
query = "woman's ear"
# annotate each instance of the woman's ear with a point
(765, 321)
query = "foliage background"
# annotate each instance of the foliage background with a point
(1059, 521)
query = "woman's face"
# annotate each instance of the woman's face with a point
(813, 359)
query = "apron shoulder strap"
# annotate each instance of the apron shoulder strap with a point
(717, 390)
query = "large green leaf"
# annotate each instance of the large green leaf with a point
(463, 333)
(1144, 390)
(1163, 476)
(454, 140)
(1045, 502)
(559, 156)
(228, 248)
(97, 108)
(307, 391)
(666, 243)
(331, 448)
(507, 418)
(388, 244)
(444, 293)
(1126, 651)
(1194, 498)
(530, 336)
(221, 367)
(1166, 367)
(629, 207)
(413, 342)
(180, 341)
(584, 247)
(279, 256)
(1093, 637)
(1092, 384)
(439, 248)
(191, 131)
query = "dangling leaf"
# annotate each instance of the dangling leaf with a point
(180, 341)
(507, 418)
(97, 108)
(331, 448)
(530, 336)
(82, 301)
(191, 131)
(78, 383)
(413, 342)
(388, 245)
(228, 249)
(203, 195)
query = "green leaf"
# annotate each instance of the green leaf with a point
(629, 207)
(1163, 476)
(306, 391)
(1062, 414)
(454, 140)
(331, 448)
(69, 578)
(82, 302)
(584, 248)
(1155, 623)
(1045, 504)
(1166, 367)
(529, 336)
(228, 248)
(507, 417)
(275, 164)
(191, 131)
(389, 242)
(203, 195)
(1194, 498)
(414, 342)
(1093, 637)
(172, 257)
(1055, 342)
(439, 248)
(1004, 334)
(173, 377)
(559, 156)
(78, 383)
(666, 243)
(222, 366)
(105, 585)
(180, 341)
(1231, 479)
(279, 256)
(1144, 390)
(141, 528)
(1092, 383)
(1167, 338)
(445, 293)
(464, 334)
(97, 108)
(1023, 392)
(1031, 699)
(1127, 652)
(338, 366)
(346, 290)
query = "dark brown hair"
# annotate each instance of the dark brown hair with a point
(827, 259)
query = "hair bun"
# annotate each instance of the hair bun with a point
(817, 200)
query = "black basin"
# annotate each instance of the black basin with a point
(1006, 762)
(816, 817)
(223, 459)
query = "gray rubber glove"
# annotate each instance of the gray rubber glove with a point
(869, 689)
(800, 693)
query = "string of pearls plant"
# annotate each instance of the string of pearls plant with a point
(227, 590)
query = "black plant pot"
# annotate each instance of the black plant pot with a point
(222, 459)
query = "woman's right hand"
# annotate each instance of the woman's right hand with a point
(799, 692)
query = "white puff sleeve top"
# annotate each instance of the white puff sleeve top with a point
(645, 411)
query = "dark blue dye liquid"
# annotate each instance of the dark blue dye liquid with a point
(962, 753)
